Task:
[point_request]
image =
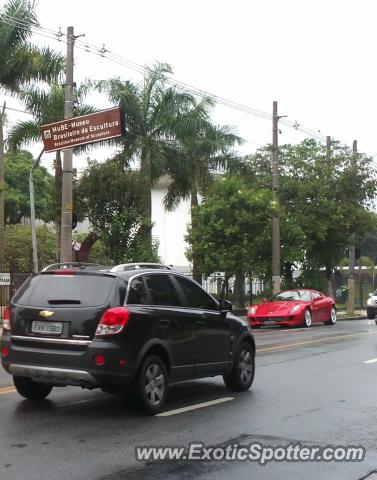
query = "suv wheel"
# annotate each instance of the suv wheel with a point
(242, 375)
(152, 384)
(32, 390)
(371, 314)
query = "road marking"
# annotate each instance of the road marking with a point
(5, 390)
(373, 360)
(77, 402)
(194, 407)
(320, 340)
(278, 330)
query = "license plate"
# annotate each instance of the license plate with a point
(269, 322)
(47, 328)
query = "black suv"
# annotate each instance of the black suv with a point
(140, 329)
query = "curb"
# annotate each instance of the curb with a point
(339, 319)
(360, 317)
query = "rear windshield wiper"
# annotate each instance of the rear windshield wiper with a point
(64, 302)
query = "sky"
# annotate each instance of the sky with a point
(316, 58)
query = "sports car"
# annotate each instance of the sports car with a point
(300, 307)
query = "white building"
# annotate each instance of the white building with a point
(170, 228)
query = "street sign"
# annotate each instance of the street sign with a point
(74, 131)
(4, 278)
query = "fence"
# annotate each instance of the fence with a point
(365, 283)
(16, 279)
(215, 285)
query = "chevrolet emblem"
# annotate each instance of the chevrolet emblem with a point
(46, 313)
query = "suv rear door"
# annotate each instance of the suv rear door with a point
(213, 332)
(169, 318)
(62, 304)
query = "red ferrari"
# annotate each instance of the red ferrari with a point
(293, 308)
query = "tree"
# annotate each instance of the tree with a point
(97, 252)
(368, 245)
(324, 200)
(20, 62)
(230, 229)
(47, 106)
(115, 201)
(151, 113)
(202, 150)
(18, 251)
(17, 200)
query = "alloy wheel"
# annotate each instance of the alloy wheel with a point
(307, 318)
(333, 315)
(154, 384)
(245, 365)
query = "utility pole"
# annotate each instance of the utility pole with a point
(351, 254)
(2, 192)
(330, 292)
(275, 191)
(32, 213)
(67, 200)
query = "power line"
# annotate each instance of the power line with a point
(18, 110)
(105, 53)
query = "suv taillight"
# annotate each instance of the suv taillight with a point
(6, 318)
(113, 321)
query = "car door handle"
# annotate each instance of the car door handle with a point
(201, 323)
(165, 322)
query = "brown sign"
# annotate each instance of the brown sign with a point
(74, 131)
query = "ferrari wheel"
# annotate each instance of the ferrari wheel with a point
(307, 318)
(332, 319)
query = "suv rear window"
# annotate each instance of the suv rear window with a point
(64, 290)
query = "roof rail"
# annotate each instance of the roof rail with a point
(78, 265)
(124, 267)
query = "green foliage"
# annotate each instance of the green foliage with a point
(325, 199)
(115, 203)
(231, 228)
(21, 62)
(312, 278)
(155, 115)
(201, 148)
(17, 199)
(150, 110)
(368, 245)
(98, 253)
(18, 247)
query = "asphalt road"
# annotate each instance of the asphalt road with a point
(311, 386)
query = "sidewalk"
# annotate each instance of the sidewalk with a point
(341, 315)
(359, 315)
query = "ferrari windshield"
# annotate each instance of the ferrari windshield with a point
(291, 295)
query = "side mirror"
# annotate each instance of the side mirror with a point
(370, 294)
(264, 300)
(225, 306)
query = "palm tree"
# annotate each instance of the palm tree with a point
(47, 106)
(151, 110)
(203, 152)
(20, 62)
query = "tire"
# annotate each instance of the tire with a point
(27, 388)
(371, 314)
(307, 318)
(152, 384)
(240, 379)
(332, 319)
